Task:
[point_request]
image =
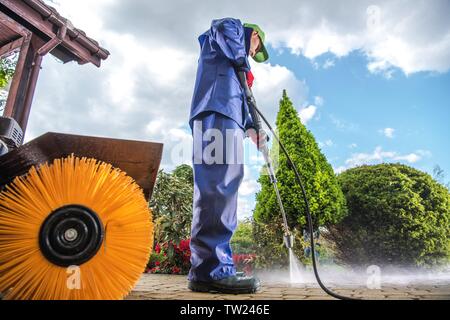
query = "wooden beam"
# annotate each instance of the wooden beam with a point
(47, 27)
(13, 25)
(23, 84)
(23, 113)
(11, 46)
(17, 82)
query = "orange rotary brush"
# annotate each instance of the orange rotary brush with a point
(75, 229)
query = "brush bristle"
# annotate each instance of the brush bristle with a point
(119, 202)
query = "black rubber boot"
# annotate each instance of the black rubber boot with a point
(231, 285)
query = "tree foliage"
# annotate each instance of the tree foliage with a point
(171, 204)
(184, 172)
(326, 200)
(397, 216)
(7, 67)
(242, 240)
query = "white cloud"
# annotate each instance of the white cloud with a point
(270, 80)
(306, 114)
(379, 156)
(153, 127)
(318, 101)
(244, 208)
(315, 65)
(340, 169)
(143, 91)
(388, 132)
(352, 145)
(390, 33)
(327, 143)
(411, 158)
(343, 125)
(179, 134)
(328, 64)
(248, 187)
(424, 153)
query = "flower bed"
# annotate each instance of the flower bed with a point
(170, 258)
(173, 258)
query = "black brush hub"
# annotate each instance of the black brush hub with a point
(71, 235)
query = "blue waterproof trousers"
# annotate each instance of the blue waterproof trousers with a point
(218, 173)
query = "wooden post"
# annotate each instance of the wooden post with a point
(24, 82)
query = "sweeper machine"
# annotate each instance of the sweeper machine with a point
(74, 216)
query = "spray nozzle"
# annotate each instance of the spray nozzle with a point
(288, 240)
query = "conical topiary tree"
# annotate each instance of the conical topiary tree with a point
(327, 202)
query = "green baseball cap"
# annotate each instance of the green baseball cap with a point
(262, 54)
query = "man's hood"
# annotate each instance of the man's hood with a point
(247, 37)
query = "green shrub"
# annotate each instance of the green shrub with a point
(269, 247)
(242, 240)
(171, 204)
(7, 67)
(397, 216)
(185, 173)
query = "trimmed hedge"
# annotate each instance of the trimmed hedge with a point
(397, 216)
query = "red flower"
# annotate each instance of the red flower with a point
(179, 262)
(175, 270)
(153, 270)
(184, 245)
(187, 258)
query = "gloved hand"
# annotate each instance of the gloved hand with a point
(260, 139)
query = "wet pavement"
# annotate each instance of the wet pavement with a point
(160, 287)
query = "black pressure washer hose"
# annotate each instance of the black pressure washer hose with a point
(255, 113)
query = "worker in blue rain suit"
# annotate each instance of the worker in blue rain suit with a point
(219, 106)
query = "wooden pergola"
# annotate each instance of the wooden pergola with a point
(37, 29)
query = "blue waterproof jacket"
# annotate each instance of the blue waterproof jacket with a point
(224, 47)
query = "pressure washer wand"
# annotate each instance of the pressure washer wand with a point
(288, 237)
(264, 149)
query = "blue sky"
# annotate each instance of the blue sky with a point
(363, 117)
(369, 78)
(358, 105)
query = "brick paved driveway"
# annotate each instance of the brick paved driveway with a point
(152, 286)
